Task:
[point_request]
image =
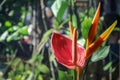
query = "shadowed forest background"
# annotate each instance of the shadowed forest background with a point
(25, 32)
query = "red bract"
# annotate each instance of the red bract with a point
(62, 47)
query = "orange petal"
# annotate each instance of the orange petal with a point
(71, 29)
(97, 43)
(106, 33)
(94, 26)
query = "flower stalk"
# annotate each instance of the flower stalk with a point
(74, 51)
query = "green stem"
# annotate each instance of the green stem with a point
(83, 77)
(75, 74)
(70, 11)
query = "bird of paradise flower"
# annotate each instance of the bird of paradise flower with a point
(71, 54)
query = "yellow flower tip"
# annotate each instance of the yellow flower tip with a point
(107, 32)
(97, 14)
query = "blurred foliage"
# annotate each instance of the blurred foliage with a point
(12, 24)
(63, 75)
(32, 69)
(59, 7)
(13, 28)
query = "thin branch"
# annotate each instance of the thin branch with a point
(43, 14)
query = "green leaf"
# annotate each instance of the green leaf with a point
(30, 77)
(65, 75)
(43, 68)
(20, 24)
(8, 24)
(47, 35)
(11, 13)
(13, 29)
(85, 27)
(14, 36)
(58, 8)
(15, 62)
(1, 74)
(52, 57)
(23, 30)
(100, 54)
(20, 68)
(81, 41)
(91, 12)
(107, 66)
(74, 21)
(35, 58)
(58, 26)
(56, 23)
(40, 77)
(62, 75)
(3, 36)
